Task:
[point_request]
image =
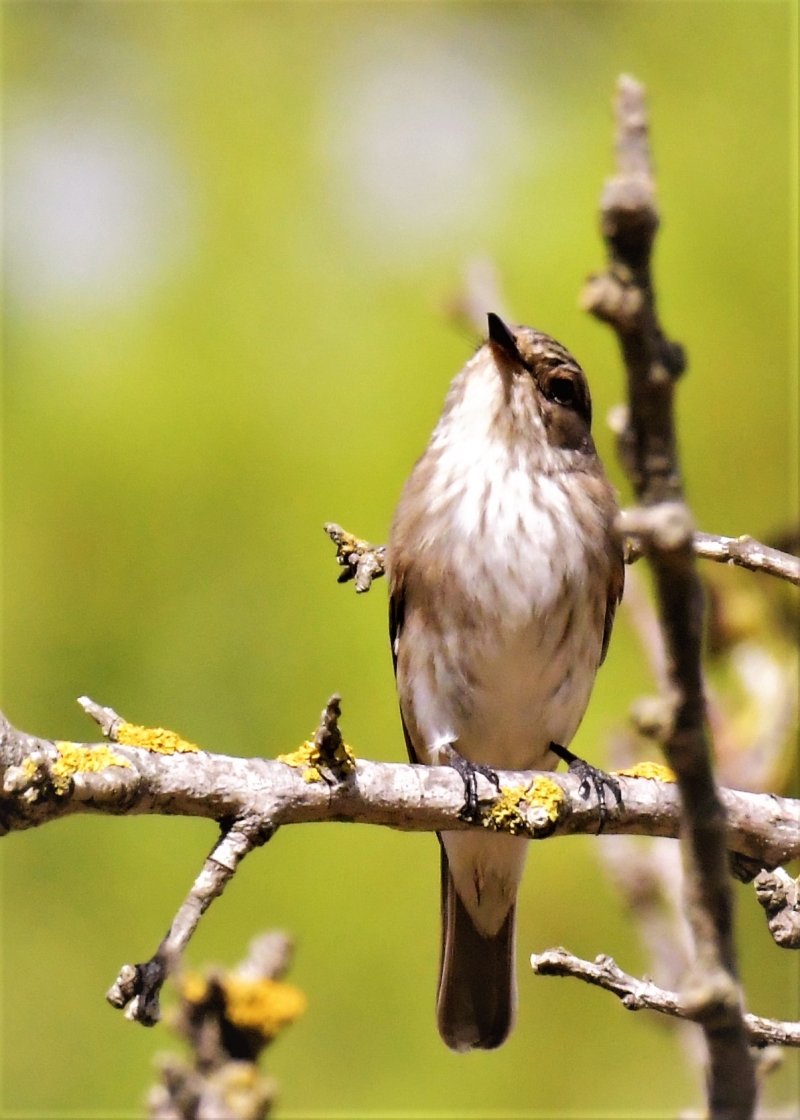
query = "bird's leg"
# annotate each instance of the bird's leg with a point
(591, 778)
(468, 772)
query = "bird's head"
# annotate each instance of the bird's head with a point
(543, 380)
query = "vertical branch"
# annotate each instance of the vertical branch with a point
(624, 298)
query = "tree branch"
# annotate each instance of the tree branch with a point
(259, 795)
(639, 995)
(624, 298)
(153, 771)
(745, 552)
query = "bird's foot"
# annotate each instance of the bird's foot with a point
(468, 772)
(591, 779)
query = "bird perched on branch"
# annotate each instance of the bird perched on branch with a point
(505, 573)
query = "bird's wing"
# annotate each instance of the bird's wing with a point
(396, 618)
(396, 614)
(616, 585)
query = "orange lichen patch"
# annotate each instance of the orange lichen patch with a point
(653, 770)
(153, 739)
(75, 759)
(266, 1006)
(505, 814)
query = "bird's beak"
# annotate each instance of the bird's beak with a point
(501, 335)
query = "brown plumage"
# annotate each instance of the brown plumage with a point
(505, 573)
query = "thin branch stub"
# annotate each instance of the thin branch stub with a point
(779, 894)
(361, 561)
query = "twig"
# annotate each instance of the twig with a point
(744, 552)
(624, 298)
(748, 553)
(106, 718)
(361, 561)
(137, 987)
(640, 995)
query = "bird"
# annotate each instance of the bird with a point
(504, 571)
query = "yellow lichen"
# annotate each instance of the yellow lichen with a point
(305, 758)
(547, 794)
(505, 814)
(308, 758)
(29, 768)
(194, 987)
(266, 1006)
(344, 758)
(653, 770)
(75, 759)
(349, 543)
(153, 739)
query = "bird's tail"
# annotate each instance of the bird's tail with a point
(477, 999)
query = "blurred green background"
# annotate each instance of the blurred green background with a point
(231, 230)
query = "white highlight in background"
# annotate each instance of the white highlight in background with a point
(94, 212)
(421, 142)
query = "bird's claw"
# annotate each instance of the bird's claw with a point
(468, 772)
(591, 779)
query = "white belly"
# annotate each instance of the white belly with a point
(502, 700)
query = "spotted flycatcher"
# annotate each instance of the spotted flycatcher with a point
(505, 573)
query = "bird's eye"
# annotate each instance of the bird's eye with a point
(562, 390)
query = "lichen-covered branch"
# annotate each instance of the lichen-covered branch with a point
(259, 795)
(624, 297)
(155, 771)
(644, 995)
